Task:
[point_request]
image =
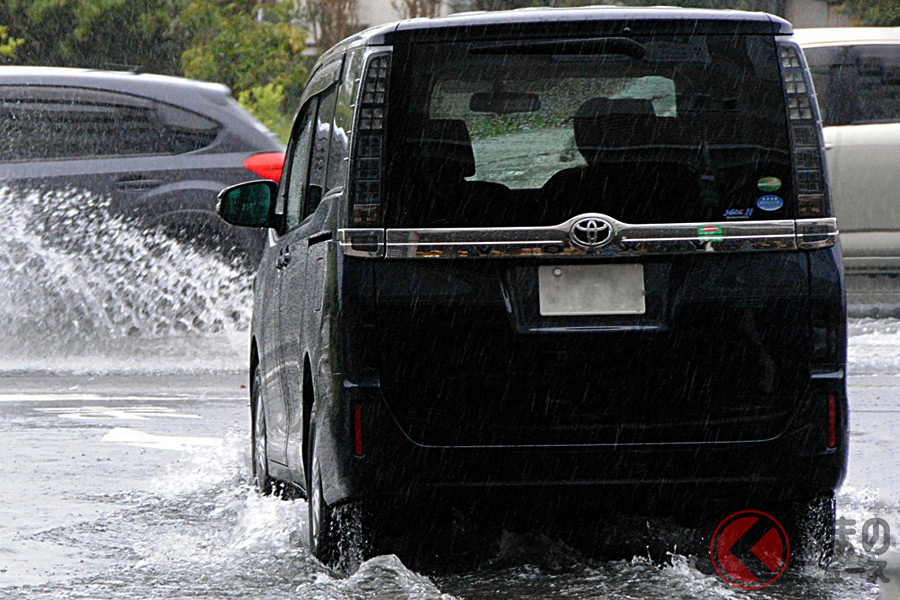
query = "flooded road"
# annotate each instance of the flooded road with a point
(135, 484)
(124, 435)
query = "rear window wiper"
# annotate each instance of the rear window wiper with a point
(583, 46)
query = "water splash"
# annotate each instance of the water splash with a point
(77, 281)
(874, 346)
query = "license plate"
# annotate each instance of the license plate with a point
(591, 290)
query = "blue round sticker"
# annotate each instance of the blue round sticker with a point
(770, 203)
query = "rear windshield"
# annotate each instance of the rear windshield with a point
(857, 85)
(645, 130)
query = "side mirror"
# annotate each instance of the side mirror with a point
(248, 204)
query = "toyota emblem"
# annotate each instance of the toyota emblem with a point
(591, 232)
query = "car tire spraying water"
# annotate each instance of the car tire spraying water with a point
(338, 535)
(260, 463)
(810, 528)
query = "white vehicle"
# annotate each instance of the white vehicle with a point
(856, 74)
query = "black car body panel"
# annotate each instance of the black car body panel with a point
(425, 335)
(593, 380)
(159, 148)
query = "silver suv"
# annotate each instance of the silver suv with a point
(856, 73)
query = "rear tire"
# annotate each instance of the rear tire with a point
(337, 534)
(258, 438)
(810, 528)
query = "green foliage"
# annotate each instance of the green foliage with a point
(230, 45)
(872, 13)
(95, 33)
(8, 45)
(265, 102)
(246, 44)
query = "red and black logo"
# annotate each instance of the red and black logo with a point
(750, 549)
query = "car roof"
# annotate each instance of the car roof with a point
(164, 88)
(589, 13)
(823, 36)
(597, 20)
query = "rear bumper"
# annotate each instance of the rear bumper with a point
(796, 463)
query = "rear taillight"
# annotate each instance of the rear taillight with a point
(267, 165)
(366, 195)
(808, 147)
(357, 430)
(832, 421)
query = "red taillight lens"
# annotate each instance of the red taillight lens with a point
(832, 421)
(357, 430)
(267, 165)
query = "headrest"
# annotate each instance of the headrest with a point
(447, 143)
(611, 123)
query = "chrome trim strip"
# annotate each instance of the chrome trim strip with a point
(365, 243)
(813, 234)
(627, 240)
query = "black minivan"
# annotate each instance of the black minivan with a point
(551, 249)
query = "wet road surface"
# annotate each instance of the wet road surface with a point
(136, 485)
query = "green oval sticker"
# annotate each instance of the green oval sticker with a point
(769, 184)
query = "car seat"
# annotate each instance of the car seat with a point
(440, 194)
(632, 173)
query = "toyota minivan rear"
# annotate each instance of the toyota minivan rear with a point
(612, 239)
(585, 248)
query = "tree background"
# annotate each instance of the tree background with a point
(8, 45)
(411, 9)
(883, 13)
(253, 47)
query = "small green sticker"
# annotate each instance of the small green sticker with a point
(769, 184)
(712, 233)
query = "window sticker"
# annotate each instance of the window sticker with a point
(769, 184)
(738, 213)
(710, 233)
(770, 203)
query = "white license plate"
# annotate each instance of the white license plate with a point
(591, 290)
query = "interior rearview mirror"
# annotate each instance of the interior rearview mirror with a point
(247, 204)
